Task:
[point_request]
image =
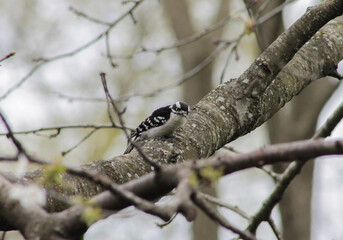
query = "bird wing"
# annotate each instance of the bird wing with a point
(157, 118)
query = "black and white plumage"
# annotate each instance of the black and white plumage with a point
(161, 123)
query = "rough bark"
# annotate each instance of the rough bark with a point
(223, 115)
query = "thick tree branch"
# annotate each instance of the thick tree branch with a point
(155, 185)
(23, 218)
(280, 52)
(223, 114)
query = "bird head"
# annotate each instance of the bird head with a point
(180, 108)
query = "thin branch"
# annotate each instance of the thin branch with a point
(133, 18)
(263, 6)
(83, 99)
(226, 64)
(138, 202)
(162, 225)
(44, 61)
(156, 166)
(59, 128)
(108, 51)
(217, 217)
(272, 13)
(108, 103)
(330, 123)
(233, 50)
(275, 176)
(10, 135)
(220, 203)
(275, 229)
(183, 79)
(187, 40)
(27, 76)
(85, 16)
(9, 158)
(80, 142)
(118, 190)
(288, 175)
(11, 54)
(231, 149)
(100, 36)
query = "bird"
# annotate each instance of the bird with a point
(163, 122)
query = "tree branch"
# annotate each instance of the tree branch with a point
(44, 61)
(263, 214)
(217, 217)
(222, 115)
(227, 112)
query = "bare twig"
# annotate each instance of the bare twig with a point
(138, 202)
(226, 64)
(183, 79)
(217, 217)
(108, 102)
(231, 149)
(271, 154)
(11, 54)
(275, 176)
(233, 50)
(80, 142)
(83, 99)
(85, 16)
(118, 190)
(187, 40)
(108, 51)
(44, 61)
(330, 123)
(59, 128)
(263, 6)
(224, 205)
(9, 158)
(272, 13)
(288, 175)
(133, 18)
(10, 135)
(275, 229)
(17, 144)
(156, 166)
(162, 225)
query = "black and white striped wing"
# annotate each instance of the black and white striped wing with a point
(156, 119)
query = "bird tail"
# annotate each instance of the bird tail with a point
(133, 138)
(129, 148)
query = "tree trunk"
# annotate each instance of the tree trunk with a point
(296, 121)
(196, 87)
(231, 110)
